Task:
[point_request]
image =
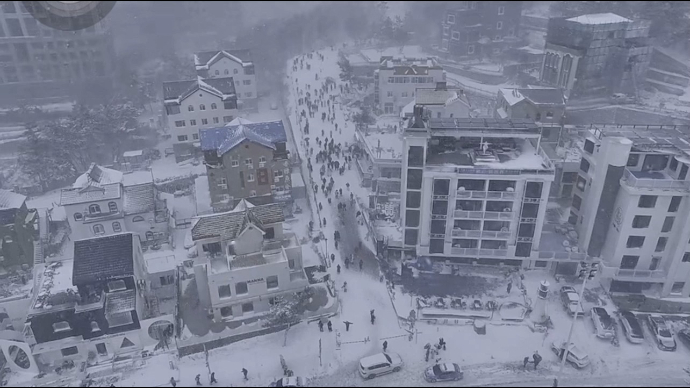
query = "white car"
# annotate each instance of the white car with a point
(603, 323)
(380, 364)
(575, 357)
(571, 301)
(288, 382)
(662, 333)
(631, 327)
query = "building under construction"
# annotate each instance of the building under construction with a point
(596, 55)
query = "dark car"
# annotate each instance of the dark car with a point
(631, 327)
(443, 372)
(684, 336)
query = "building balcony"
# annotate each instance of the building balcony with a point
(486, 194)
(653, 180)
(476, 252)
(484, 215)
(633, 274)
(480, 234)
(93, 217)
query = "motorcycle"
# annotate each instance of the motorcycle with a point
(440, 303)
(477, 304)
(423, 303)
(458, 303)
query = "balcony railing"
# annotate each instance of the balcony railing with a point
(480, 234)
(483, 215)
(544, 255)
(645, 183)
(473, 252)
(486, 194)
(640, 274)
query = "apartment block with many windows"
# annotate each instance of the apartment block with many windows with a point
(630, 206)
(397, 78)
(475, 191)
(231, 63)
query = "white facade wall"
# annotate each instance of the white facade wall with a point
(196, 100)
(245, 84)
(455, 109)
(401, 94)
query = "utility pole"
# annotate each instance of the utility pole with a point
(320, 352)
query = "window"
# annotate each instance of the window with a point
(470, 49)
(226, 311)
(633, 160)
(204, 121)
(248, 307)
(654, 264)
(647, 201)
(673, 165)
(635, 242)
(215, 120)
(241, 288)
(584, 165)
(224, 291)
(167, 280)
(250, 177)
(226, 72)
(677, 288)
(661, 244)
(229, 105)
(270, 234)
(668, 224)
(94, 209)
(101, 349)
(247, 82)
(277, 175)
(195, 136)
(214, 106)
(95, 327)
(117, 228)
(112, 207)
(222, 183)
(411, 236)
(455, 35)
(192, 122)
(390, 94)
(78, 216)
(149, 235)
(549, 115)
(686, 257)
(217, 72)
(62, 326)
(182, 138)
(272, 282)
(262, 161)
(234, 163)
(179, 123)
(227, 119)
(499, 25)
(98, 229)
(248, 163)
(403, 94)
(202, 107)
(589, 147)
(501, 10)
(412, 218)
(14, 28)
(248, 94)
(138, 219)
(446, 30)
(235, 71)
(71, 351)
(629, 262)
(675, 204)
(641, 222)
(116, 285)
(450, 19)
(577, 202)
(190, 108)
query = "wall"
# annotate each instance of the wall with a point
(249, 241)
(141, 227)
(403, 89)
(236, 71)
(196, 99)
(454, 110)
(163, 291)
(82, 230)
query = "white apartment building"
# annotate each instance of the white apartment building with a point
(630, 205)
(231, 63)
(397, 78)
(195, 104)
(245, 260)
(474, 191)
(103, 202)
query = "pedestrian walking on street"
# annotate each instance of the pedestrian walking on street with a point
(198, 380)
(338, 269)
(244, 372)
(330, 326)
(555, 383)
(320, 326)
(361, 265)
(373, 317)
(213, 378)
(537, 359)
(510, 286)
(173, 382)
(426, 358)
(525, 361)
(324, 221)
(347, 325)
(333, 257)
(385, 346)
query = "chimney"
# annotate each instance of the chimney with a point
(441, 86)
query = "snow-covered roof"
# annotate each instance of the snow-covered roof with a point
(176, 91)
(231, 224)
(130, 154)
(243, 205)
(238, 121)
(537, 96)
(205, 59)
(431, 96)
(599, 18)
(90, 194)
(55, 279)
(10, 200)
(512, 96)
(225, 138)
(160, 263)
(137, 178)
(97, 176)
(384, 145)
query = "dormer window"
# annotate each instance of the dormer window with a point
(235, 71)
(94, 327)
(451, 19)
(94, 209)
(116, 285)
(60, 327)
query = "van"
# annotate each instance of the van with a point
(380, 364)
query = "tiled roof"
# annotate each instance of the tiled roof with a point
(139, 198)
(174, 89)
(103, 258)
(230, 224)
(179, 90)
(203, 58)
(10, 200)
(90, 194)
(120, 302)
(225, 138)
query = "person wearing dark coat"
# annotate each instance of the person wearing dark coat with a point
(213, 378)
(198, 380)
(338, 268)
(347, 325)
(525, 361)
(244, 372)
(320, 325)
(173, 382)
(330, 326)
(385, 346)
(537, 359)
(361, 264)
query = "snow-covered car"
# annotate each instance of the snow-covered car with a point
(380, 364)
(571, 301)
(662, 333)
(684, 336)
(631, 327)
(288, 382)
(443, 372)
(603, 323)
(576, 356)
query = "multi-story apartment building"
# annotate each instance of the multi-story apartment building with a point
(231, 63)
(480, 28)
(475, 190)
(18, 230)
(596, 55)
(397, 78)
(195, 104)
(88, 309)
(103, 202)
(440, 102)
(245, 261)
(630, 207)
(39, 61)
(247, 160)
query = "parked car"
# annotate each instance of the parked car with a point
(631, 327)
(288, 382)
(662, 333)
(571, 301)
(603, 323)
(684, 336)
(380, 364)
(576, 356)
(443, 372)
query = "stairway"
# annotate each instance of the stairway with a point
(38, 253)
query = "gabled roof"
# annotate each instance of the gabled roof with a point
(97, 176)
(90, 194)
(10, 200)
(139, 198)
(207, 58)
(120, 302)
(230, 224)
(225, 138)
(599, 18)
(103, 258)
(177, 91)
